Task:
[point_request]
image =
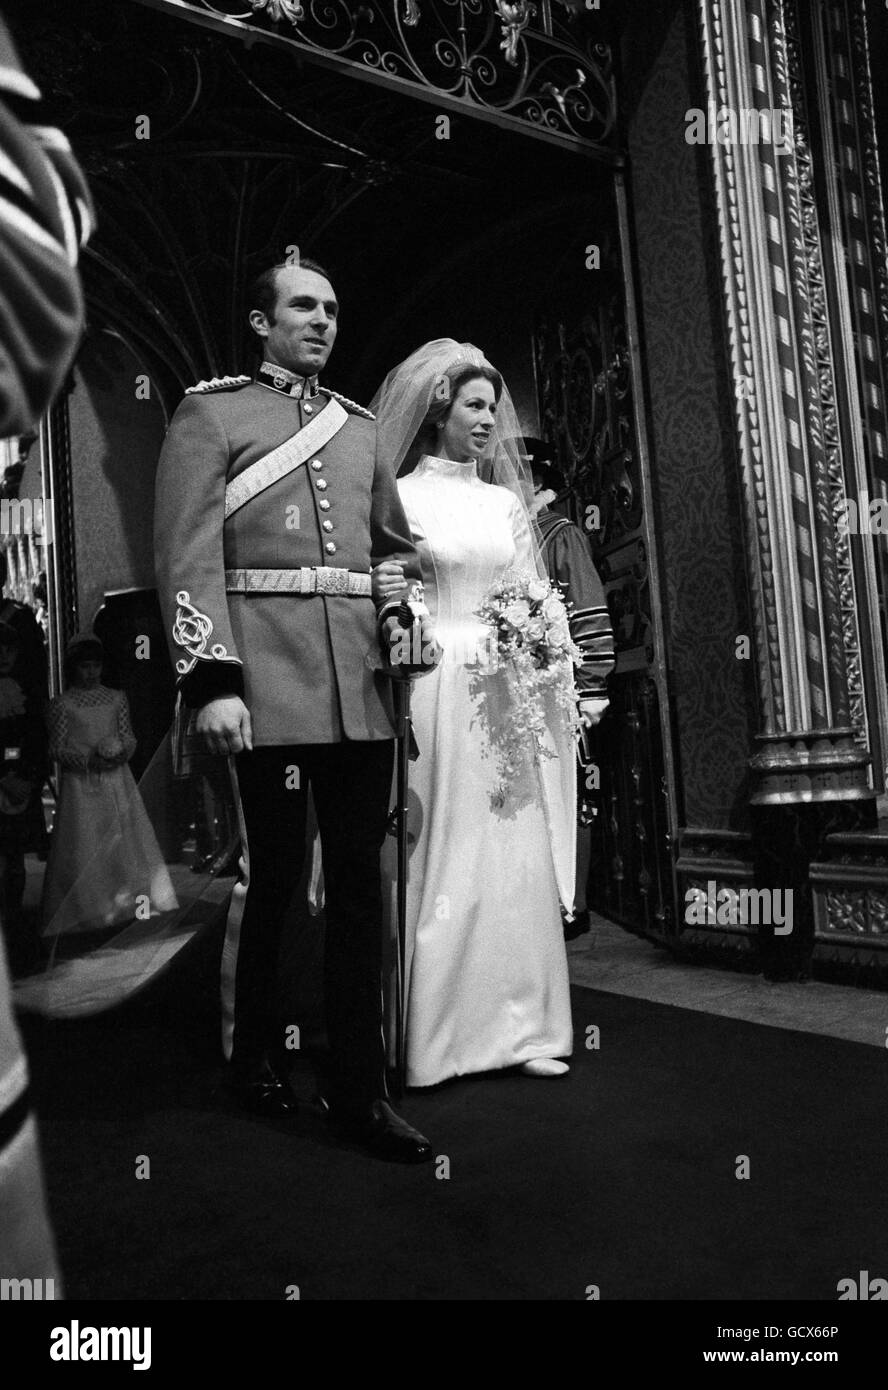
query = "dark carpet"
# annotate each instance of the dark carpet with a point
(622, 1176)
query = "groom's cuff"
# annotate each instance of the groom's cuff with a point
(212, 680)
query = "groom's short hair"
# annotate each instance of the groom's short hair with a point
(263, 290)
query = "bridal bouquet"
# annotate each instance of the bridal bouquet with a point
(531, 638)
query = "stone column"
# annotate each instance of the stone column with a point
(813, 750)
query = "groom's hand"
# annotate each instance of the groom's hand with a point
(225, 725)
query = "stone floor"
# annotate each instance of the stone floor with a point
(613, 960)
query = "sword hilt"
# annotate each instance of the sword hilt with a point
(411, 610)
(413, 607)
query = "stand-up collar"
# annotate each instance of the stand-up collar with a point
(287, 382)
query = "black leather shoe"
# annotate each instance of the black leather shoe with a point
(577, 927)
(262, 1092)
(382, 1132)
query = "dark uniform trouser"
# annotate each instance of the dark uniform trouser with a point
(351, 785)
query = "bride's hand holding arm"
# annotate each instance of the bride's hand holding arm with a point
(388, 586)
(387, 581)
(396, 577)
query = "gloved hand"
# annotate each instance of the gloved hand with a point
(591, 709)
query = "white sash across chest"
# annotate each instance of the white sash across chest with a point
(285, 458)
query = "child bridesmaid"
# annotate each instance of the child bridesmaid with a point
(105, 865)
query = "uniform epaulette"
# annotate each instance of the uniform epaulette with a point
(218, 383)
(351, 406)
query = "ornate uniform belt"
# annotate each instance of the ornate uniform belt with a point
(322, 579)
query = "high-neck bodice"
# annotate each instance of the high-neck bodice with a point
(465, 531)
(433, 466)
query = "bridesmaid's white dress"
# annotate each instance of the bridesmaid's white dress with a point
(104, 858)
(486, 979)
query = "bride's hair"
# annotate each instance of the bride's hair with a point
(452, 379)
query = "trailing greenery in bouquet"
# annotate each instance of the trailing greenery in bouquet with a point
(530, 640)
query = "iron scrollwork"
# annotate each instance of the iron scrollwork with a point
(585, 398)
(279, 9)
(550, 76)
(586, 406)
(515, 19)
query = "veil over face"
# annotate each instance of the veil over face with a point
(416, 386)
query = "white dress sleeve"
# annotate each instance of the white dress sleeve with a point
(524, 556)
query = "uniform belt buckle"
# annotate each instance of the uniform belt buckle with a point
(331, 579)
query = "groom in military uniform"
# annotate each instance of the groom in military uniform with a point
(271, 510)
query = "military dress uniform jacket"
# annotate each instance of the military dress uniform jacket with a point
(308, 666)
(570, 566)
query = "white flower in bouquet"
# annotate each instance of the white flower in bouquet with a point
(110, 748)
(528, 623)
(517, 614)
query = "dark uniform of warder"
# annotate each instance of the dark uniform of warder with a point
(569, 565)
(270, 512)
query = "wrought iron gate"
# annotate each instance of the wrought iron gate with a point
(587, 380)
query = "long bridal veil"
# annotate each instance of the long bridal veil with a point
(408, 393)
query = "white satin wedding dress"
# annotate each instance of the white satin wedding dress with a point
(486, 978)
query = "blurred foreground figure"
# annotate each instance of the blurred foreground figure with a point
(45, 216)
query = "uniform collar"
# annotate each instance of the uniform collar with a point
(287, 382)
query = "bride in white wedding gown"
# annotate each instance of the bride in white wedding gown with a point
(486, 970)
